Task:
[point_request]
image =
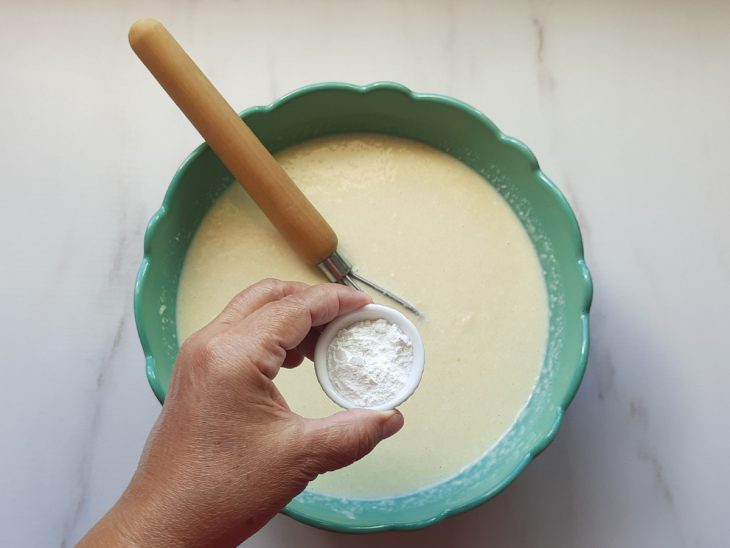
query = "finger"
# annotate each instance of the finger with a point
(345, 437)
(307, 346)
(277, 327)
(293, 358)
(254, 297)
(288, 321)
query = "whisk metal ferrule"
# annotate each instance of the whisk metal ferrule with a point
(337, 269)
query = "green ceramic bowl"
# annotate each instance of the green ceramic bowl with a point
(464, 133)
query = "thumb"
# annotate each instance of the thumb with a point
(345, 437)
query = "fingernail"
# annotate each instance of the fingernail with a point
(392, 424)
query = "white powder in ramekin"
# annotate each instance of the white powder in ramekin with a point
(369, 362)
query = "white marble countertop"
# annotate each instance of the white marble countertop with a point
(626, 104)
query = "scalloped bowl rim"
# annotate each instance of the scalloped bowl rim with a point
(586, 300)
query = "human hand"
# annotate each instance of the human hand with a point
(227, 453)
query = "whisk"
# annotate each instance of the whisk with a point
(246, 157)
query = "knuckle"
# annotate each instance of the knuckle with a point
(272, 286)
(210, 350)
(190, 346)
(282, 317)
(240, 298)
(268, 286)
(294, 306)
(204, 351)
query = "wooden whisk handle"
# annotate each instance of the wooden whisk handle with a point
(234, 143)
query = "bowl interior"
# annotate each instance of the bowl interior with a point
(470, 137)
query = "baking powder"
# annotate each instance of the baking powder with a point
(369, 362)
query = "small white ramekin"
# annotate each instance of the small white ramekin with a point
(369, 312)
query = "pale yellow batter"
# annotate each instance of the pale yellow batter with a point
(428, 227)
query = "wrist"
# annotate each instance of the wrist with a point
(176, 514)
(139, 518)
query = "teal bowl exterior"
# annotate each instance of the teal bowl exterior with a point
(464, 133)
